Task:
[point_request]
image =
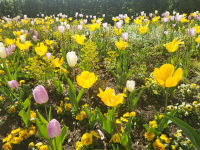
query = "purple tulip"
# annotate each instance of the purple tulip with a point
(118, 25)
(13, 84)
(125, 36)
(67, 26)
(105, 25)
(150, 14)
(8, 51)
(55, 27)
(61, 29)
(48, 55)
(36, 33)
(80, 27)
(26, 32)
(40, 94)
(189, 17)
(74, 26)
(34, 38)
(31, 29)
(53, 128)
(198, 18)
(191, 32)
(12, 47)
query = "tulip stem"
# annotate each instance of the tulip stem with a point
(6, 70)
(89, 101)
(166, 100)
(74, 80)
(46, 111)
(115, 123)
(55, 143)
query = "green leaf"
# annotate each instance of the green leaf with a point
(80, 94)
(124, 139)
(43, 121)
(156, 114)
(134, 104)
(42, 131)
(114, 74)
(60, 139)
(25, 117)
(128, 74)
(119, 68)
(187, 129)
(50, 117)
(107, 126)
(150, 129)
(27, 102)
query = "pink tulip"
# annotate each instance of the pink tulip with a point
(53, 128)
(125, 36)
(90, 16)
(40, 94)
(31, 29)
(48, 55)
(12, 47)
(171, 18)
(81, 15)
(98, 21)
(150, 14)
(189, 17)
(34, 38)
(13, 84)
(165, 32)
(80, 27)
(86, 16)
(42, 15)
(85, 21)
(191, 32)
(26, 32)
(142, 13)
(8, 51)
(25, 16)
(36, 33)
(103, 15)
(105, 25)
(118, 25)
(67, 26)
(131, 17)
(61, 29)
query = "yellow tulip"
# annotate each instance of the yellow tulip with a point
(86, 79)
(118, 32)
(17, 33)
(24, 46)
(109, 98)
(173, 46)
(114, 19)
(57, 63)
(121, 45)
(127, 20)
(166, 77)
(198, 39)
(41, 50)
(80, 39)
(92, 27)
(9, 41)
(197, 29)
(142, 29)
(138, 21)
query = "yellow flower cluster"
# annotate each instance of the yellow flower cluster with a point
(115, 138)
(39, 146)
(81, 116)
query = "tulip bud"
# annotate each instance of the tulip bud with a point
(103, 15)
(118, 25)
(81, 15)
(48, 55)
(34, 38)
(61, 29)
(13, 84)
(130, 85)
(26, 32)
(156, 11)
(22, 31)
(71, 59)
(42, 15)
(68, 26)
(31, 29)
(53, 128)
(86, 16)
(173, 25)
(142, 13)
(98, 21)
(25, 16)
(40, 94)
(191, 32)
(150, 14)
(174, 12)
(90, 16)
(61, 23)
(131, 17)
(22, 39)
(125, 36)
(165, 32)
(80, 27)
(32, 23)
(12, 47)
(189, 17)
(57, 19)
(121, 16)
(8, 51)
(105, 25)
(36, 33)
(85, 21)
(65, 23)
(94, 17)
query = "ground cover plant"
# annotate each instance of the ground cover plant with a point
(81, 83)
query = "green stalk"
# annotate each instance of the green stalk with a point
(46, 112)
(166, 101)
(6, 70)
(74, 81)
(89, 101)
(55, 143)
(115, 122)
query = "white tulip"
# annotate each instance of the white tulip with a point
(130, 85)
(57, 19)
(32, 23)
(22, 31)
(22, 39)
(156, 11)
(71, 59)
(2, 51)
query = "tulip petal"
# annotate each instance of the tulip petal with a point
(178, 73)
(171, 81)
(166, 71)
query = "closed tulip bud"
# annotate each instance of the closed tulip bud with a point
(12, 47)
(22, 31)
(150, 14)
(40, 94)
(8, 51)
(84, 21)
(125, 36)
(131, 17)
(22, 39)
(48, 55)
(81, 15)
(55, 27)
(25, 16)
(171, 18)
(53, 128)
(118, 25)
(57, 19)
(42, 15)
(90, 16)
(61, 23)
(26, 32)
(38, 15)
(2, 51)
(61, 29)
(65, 23)
(98, 21)
(165, 32)
(191, 32)
(174, 12)
(86, 16)
(32, 23)
(68, 26)
(71, 59)
(156, 11)
(142, 13)
(13, 84)
(80, 27)
(197, 12)
(94, 17)
(34, 38)
(173, 25)
(103, 15)
(189, 17)
(130, 85)
(31, 29)
(198, 18)
(105, 25)
(36, 33)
